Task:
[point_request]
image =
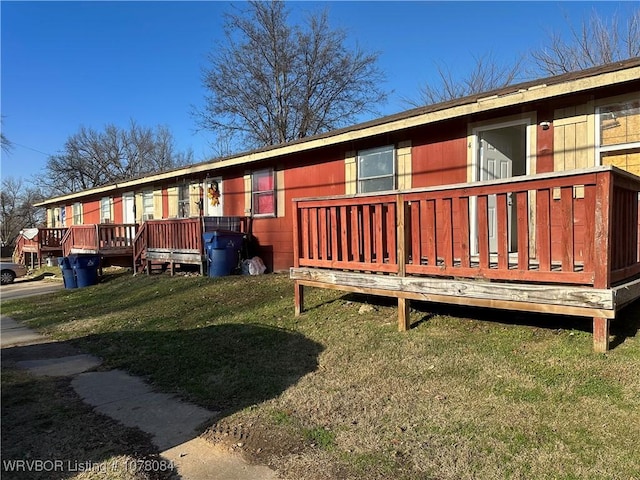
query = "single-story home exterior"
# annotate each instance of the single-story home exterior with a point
(586, 122)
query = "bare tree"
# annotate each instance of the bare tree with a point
(596, 41)
(16, 208)
(271, 82)
(4, 141)
(486, 74)
(92, 158)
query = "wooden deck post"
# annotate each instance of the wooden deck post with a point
(298, 287)
(299, 297)
(404, 304)
(404, 309)
(602, 253)
(600, 334)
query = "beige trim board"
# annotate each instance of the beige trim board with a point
(247, 194)
(350, 173)
(403, 152)
(280, 190)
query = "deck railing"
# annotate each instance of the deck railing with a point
(578, 227)
(184, 234)
(51, 238)
(47, 241)
(111, 238)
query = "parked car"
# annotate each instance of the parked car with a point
(9, 271)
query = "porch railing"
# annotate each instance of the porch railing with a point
(578, 227)
(48, 240)
(184, 234)
(100, 238)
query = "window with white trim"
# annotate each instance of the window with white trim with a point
(105, 210)
(77, 213)
(618, 135)
(147, 205)
(376, 169)
(263, 192)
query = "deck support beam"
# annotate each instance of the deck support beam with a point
(299, 297)
(404, 309)
(601, 334)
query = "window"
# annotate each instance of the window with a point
(376, 169)
(77, 213)
(263, 192)
(105, 210)
(618, 131)
(147, 205)
(183, 201)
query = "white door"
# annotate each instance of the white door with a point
(496, 162)
(213, 200)
(128, 208)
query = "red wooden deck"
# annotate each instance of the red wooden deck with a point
(105, 239)
(174, 240)
(47, 242)
(578, 230)
(178, 240)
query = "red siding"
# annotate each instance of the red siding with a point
(439, 162)
(91, 212)
(165, 202)
(233, 192)
(117, 209)
(275, 234)
(544, 157)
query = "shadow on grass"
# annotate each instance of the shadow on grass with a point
(626, 325)
(223, 368)
(38, 277)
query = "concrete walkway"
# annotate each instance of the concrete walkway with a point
(174, 425)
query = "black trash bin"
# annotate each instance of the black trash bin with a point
(222, 248)
(68, 275)
(85, 267)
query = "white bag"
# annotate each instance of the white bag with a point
(255, 266)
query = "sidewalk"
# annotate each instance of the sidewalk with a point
(173, 424)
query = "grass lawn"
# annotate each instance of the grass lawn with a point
(339, 393)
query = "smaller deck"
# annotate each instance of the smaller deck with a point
(108, 240)
(564, 243)
(172, 241)
(178, 240)
(47, 242)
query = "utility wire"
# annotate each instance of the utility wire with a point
(32, 149)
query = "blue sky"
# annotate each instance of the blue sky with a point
(72, 64)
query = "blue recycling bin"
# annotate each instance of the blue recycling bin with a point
(222, 248)
(68, 275)
(85, 268)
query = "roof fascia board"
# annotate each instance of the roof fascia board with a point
(531, 94)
